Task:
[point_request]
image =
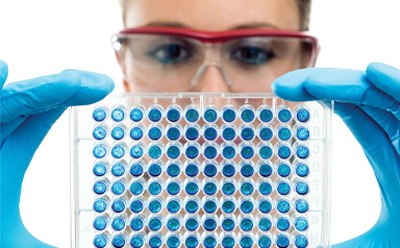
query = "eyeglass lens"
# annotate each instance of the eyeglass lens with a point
(173, 63)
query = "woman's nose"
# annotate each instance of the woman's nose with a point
(211, 79)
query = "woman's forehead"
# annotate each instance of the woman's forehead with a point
(213, 15)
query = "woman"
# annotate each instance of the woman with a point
(368, 101)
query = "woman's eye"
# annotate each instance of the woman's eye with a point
(171, 53)
(252, 55)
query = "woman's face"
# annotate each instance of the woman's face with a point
(209, 15)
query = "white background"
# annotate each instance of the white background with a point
(47, 36)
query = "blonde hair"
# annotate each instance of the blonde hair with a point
(303, 5)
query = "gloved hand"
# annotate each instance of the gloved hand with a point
(369, 104)
(27, 111)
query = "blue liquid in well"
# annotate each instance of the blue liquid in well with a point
(136, 133)
(282, 241)
(192, 188)
(228, 242)
(118, 205)
(210, 242)
(303, 115)
(99, 151)
(302, 133)
(173, 170)
(228, 206)
(100, 223)
(173, 133)
(283, 224)
(301, 224)
(155, 206)
(264, 242)
(284, 115)
(118, 169)
(99, 133)
(191, 224)
(136, 114)
(246, 224)
(137, 223)
(192, 115)
(118, 223)
(173, 114)
(210, 224)
(210, 170)
(173, 206)
(228, 170)
(173, 188)
(155, 241)
(155, 169)
(155, 188)
(99, 169)
(99, 114)
(246, 242)
(301, 241)
(117, 133)
(136, 169)
(100, 241)
(265, 170)
(266, 115)
(173, 224)
(265, 188)
(154, 114)
(247, 115)
(117, 114)
(155, 224)
(210, 188)
(210, 115)
(228, 224)
(264, 224)
(154, 133)
(192, 133)
(210, 152)
(137, 241)
(265, 206)
(173, 241)
(229, 115)
(265, 134)
(210, 133)
(136, 151)
(191, 242)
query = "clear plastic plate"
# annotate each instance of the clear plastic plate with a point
(200, 170)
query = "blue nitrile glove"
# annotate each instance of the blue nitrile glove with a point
(369, 104)
(27, 111)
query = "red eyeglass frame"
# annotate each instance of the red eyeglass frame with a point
(222, 36)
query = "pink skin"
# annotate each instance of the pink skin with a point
(207, 15)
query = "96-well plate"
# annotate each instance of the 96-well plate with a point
(200, 170)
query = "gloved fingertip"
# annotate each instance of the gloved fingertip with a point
(101, 82)
(3, 64)
(3, 72)
(290, 86)
(375, 69)
(92, 86)
(384, 77)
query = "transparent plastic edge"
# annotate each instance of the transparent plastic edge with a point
(328, 112)
(73, 157)
(188, 94)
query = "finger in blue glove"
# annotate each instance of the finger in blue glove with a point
(369, 103)
(28, 109)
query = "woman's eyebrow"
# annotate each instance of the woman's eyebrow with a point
(239, 26)
(166, 24)
(255, 25)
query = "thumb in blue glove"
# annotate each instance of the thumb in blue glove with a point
(369, 103)
(28, 109)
